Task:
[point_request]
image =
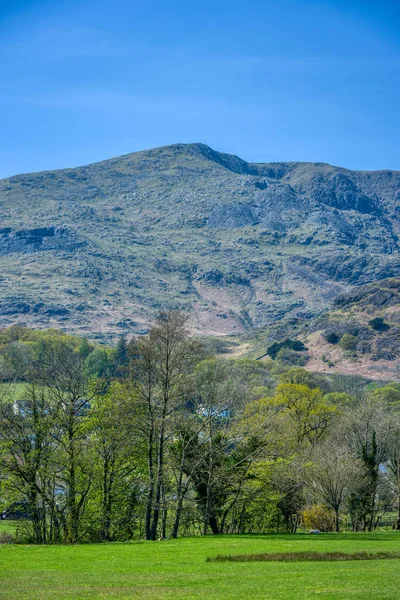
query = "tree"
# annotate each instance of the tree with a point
(299, 376)
(69, 393)
(85, 349)
(166, 358)
(233, 437)
(295, 345)
(25, 451)
(389, 394)
(334, 475)
(98, 364)
(332, 337)
(393, 461)
(112, 428)
(368, 426)
(121, 359)
(305, 410)
(286, 356)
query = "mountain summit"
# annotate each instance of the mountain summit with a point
(99, 249)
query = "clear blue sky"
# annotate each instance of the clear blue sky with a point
(85, 80)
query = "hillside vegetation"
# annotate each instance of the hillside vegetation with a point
(361, 334)
(358, 336)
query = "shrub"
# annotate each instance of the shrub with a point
(318, 517)
(295, 345)
(286, 356)
(378, 324)
(6, 537)
(348, 342)
(332, 337)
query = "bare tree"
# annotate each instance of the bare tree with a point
(393, 462)
(335, 474)
(367, 429)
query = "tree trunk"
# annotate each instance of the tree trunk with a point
(149, 505)
(181, 494)
(164, 513)
(108, 478)
(214, 525)
(72, 525)
(207, 512)
(159, 479)
(337, 521)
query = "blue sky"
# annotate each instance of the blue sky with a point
(86, 80)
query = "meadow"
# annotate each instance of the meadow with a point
(179, 569)
(7, 527)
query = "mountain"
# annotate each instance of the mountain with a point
(99, 249)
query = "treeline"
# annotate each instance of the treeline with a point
(157, 438)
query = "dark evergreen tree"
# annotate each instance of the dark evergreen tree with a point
(121, 360)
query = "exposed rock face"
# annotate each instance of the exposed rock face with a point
(384, 294)
(103, 247)
(338, 190)
(15, 305)
(36, 240)
(232, 215)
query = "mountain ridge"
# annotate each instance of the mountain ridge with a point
(210, 151)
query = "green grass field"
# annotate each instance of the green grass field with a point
(7, 526)
(178, 569)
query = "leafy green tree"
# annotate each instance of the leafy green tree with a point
(299, 376)
(305, 409)
(166, 359)
(121, 359)
(69, 392)
(26, 435)
(85, 348)
(99, 364)
(115, 454)
(368, 428)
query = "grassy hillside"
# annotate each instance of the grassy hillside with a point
(178, 569)
(369, 314)
(99, 249)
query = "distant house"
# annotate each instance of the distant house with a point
(219, 413)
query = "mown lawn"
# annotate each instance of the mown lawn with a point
(178, 569)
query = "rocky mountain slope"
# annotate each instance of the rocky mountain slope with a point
(99, 249)
(369, 317)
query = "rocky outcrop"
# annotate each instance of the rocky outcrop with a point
(15, 305)
(381, 295)
(232, 215)
(27, 241)
(339, 191)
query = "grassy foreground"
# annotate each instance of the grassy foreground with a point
(178, 569)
